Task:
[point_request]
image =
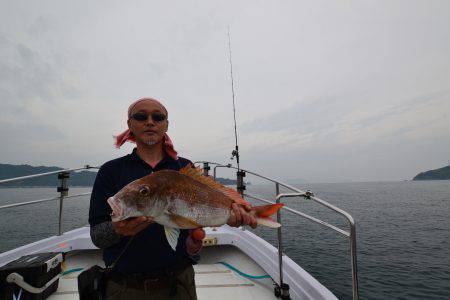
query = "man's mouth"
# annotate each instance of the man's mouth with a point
(150, 132)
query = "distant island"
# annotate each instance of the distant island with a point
(438, 174)
(81, 178)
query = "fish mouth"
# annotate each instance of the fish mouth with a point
(117, 209)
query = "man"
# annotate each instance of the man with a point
(148, 268)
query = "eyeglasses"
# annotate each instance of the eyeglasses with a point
(142, 116)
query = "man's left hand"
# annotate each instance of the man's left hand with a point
(194, 241)
(240, 215)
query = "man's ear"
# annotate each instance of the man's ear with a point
(167, 126)
(129, 123)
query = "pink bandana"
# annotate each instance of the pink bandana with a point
(128, 136)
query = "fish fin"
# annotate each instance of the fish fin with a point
(268, 221)
(233, 194)
(172, 236)
(184, 222)
(197, 174)
(263, 213)
(185, 168)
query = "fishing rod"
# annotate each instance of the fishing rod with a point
(235, 153)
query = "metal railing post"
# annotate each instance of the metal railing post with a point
(355, 288)
(280, 243)
(282, 290)
(214, 172)
(63, 189)
(218, 166)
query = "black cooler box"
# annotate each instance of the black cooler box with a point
(37, 270)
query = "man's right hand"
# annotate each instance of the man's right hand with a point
(131, 226)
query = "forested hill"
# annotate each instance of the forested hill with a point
(438, 174)
(82, 178)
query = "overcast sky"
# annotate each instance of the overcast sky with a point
(325, 90)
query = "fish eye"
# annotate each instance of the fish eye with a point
(144, 191)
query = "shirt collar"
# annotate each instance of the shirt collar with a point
(135, 157)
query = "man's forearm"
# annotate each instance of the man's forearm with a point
(103, 235)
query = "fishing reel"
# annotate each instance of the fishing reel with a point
(234, 154)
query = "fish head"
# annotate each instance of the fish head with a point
(138, 198)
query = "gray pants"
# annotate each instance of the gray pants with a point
(126, 289)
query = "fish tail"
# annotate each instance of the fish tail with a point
(263, 213)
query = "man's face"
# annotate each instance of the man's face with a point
(148, 131)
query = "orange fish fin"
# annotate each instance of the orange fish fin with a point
(233, 194)
(186, 168)
(197, 174)
(184, 222)
(264, 211)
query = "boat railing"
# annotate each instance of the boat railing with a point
(62, 189)
(282, 289)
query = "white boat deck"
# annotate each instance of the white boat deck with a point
(213, 281)
(241, 249)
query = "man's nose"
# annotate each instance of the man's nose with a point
(150, 121)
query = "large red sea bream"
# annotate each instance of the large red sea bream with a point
(183, 199)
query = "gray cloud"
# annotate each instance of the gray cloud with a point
(323, 91)
(26, 74)
(325, 116)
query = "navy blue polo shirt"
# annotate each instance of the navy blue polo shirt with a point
(149, 251)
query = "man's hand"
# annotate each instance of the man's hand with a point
(194, 241)
(131, 226)
(240, 215)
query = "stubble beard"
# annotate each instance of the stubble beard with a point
(150, 142)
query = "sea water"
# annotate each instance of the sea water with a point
(403, 233)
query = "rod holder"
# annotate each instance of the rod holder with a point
(282, 291)
(63, 190)
(284, 288)
(240, 184)
(206, 169)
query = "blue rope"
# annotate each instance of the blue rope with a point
(220, 262)
(242, 273)
(71, 271)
